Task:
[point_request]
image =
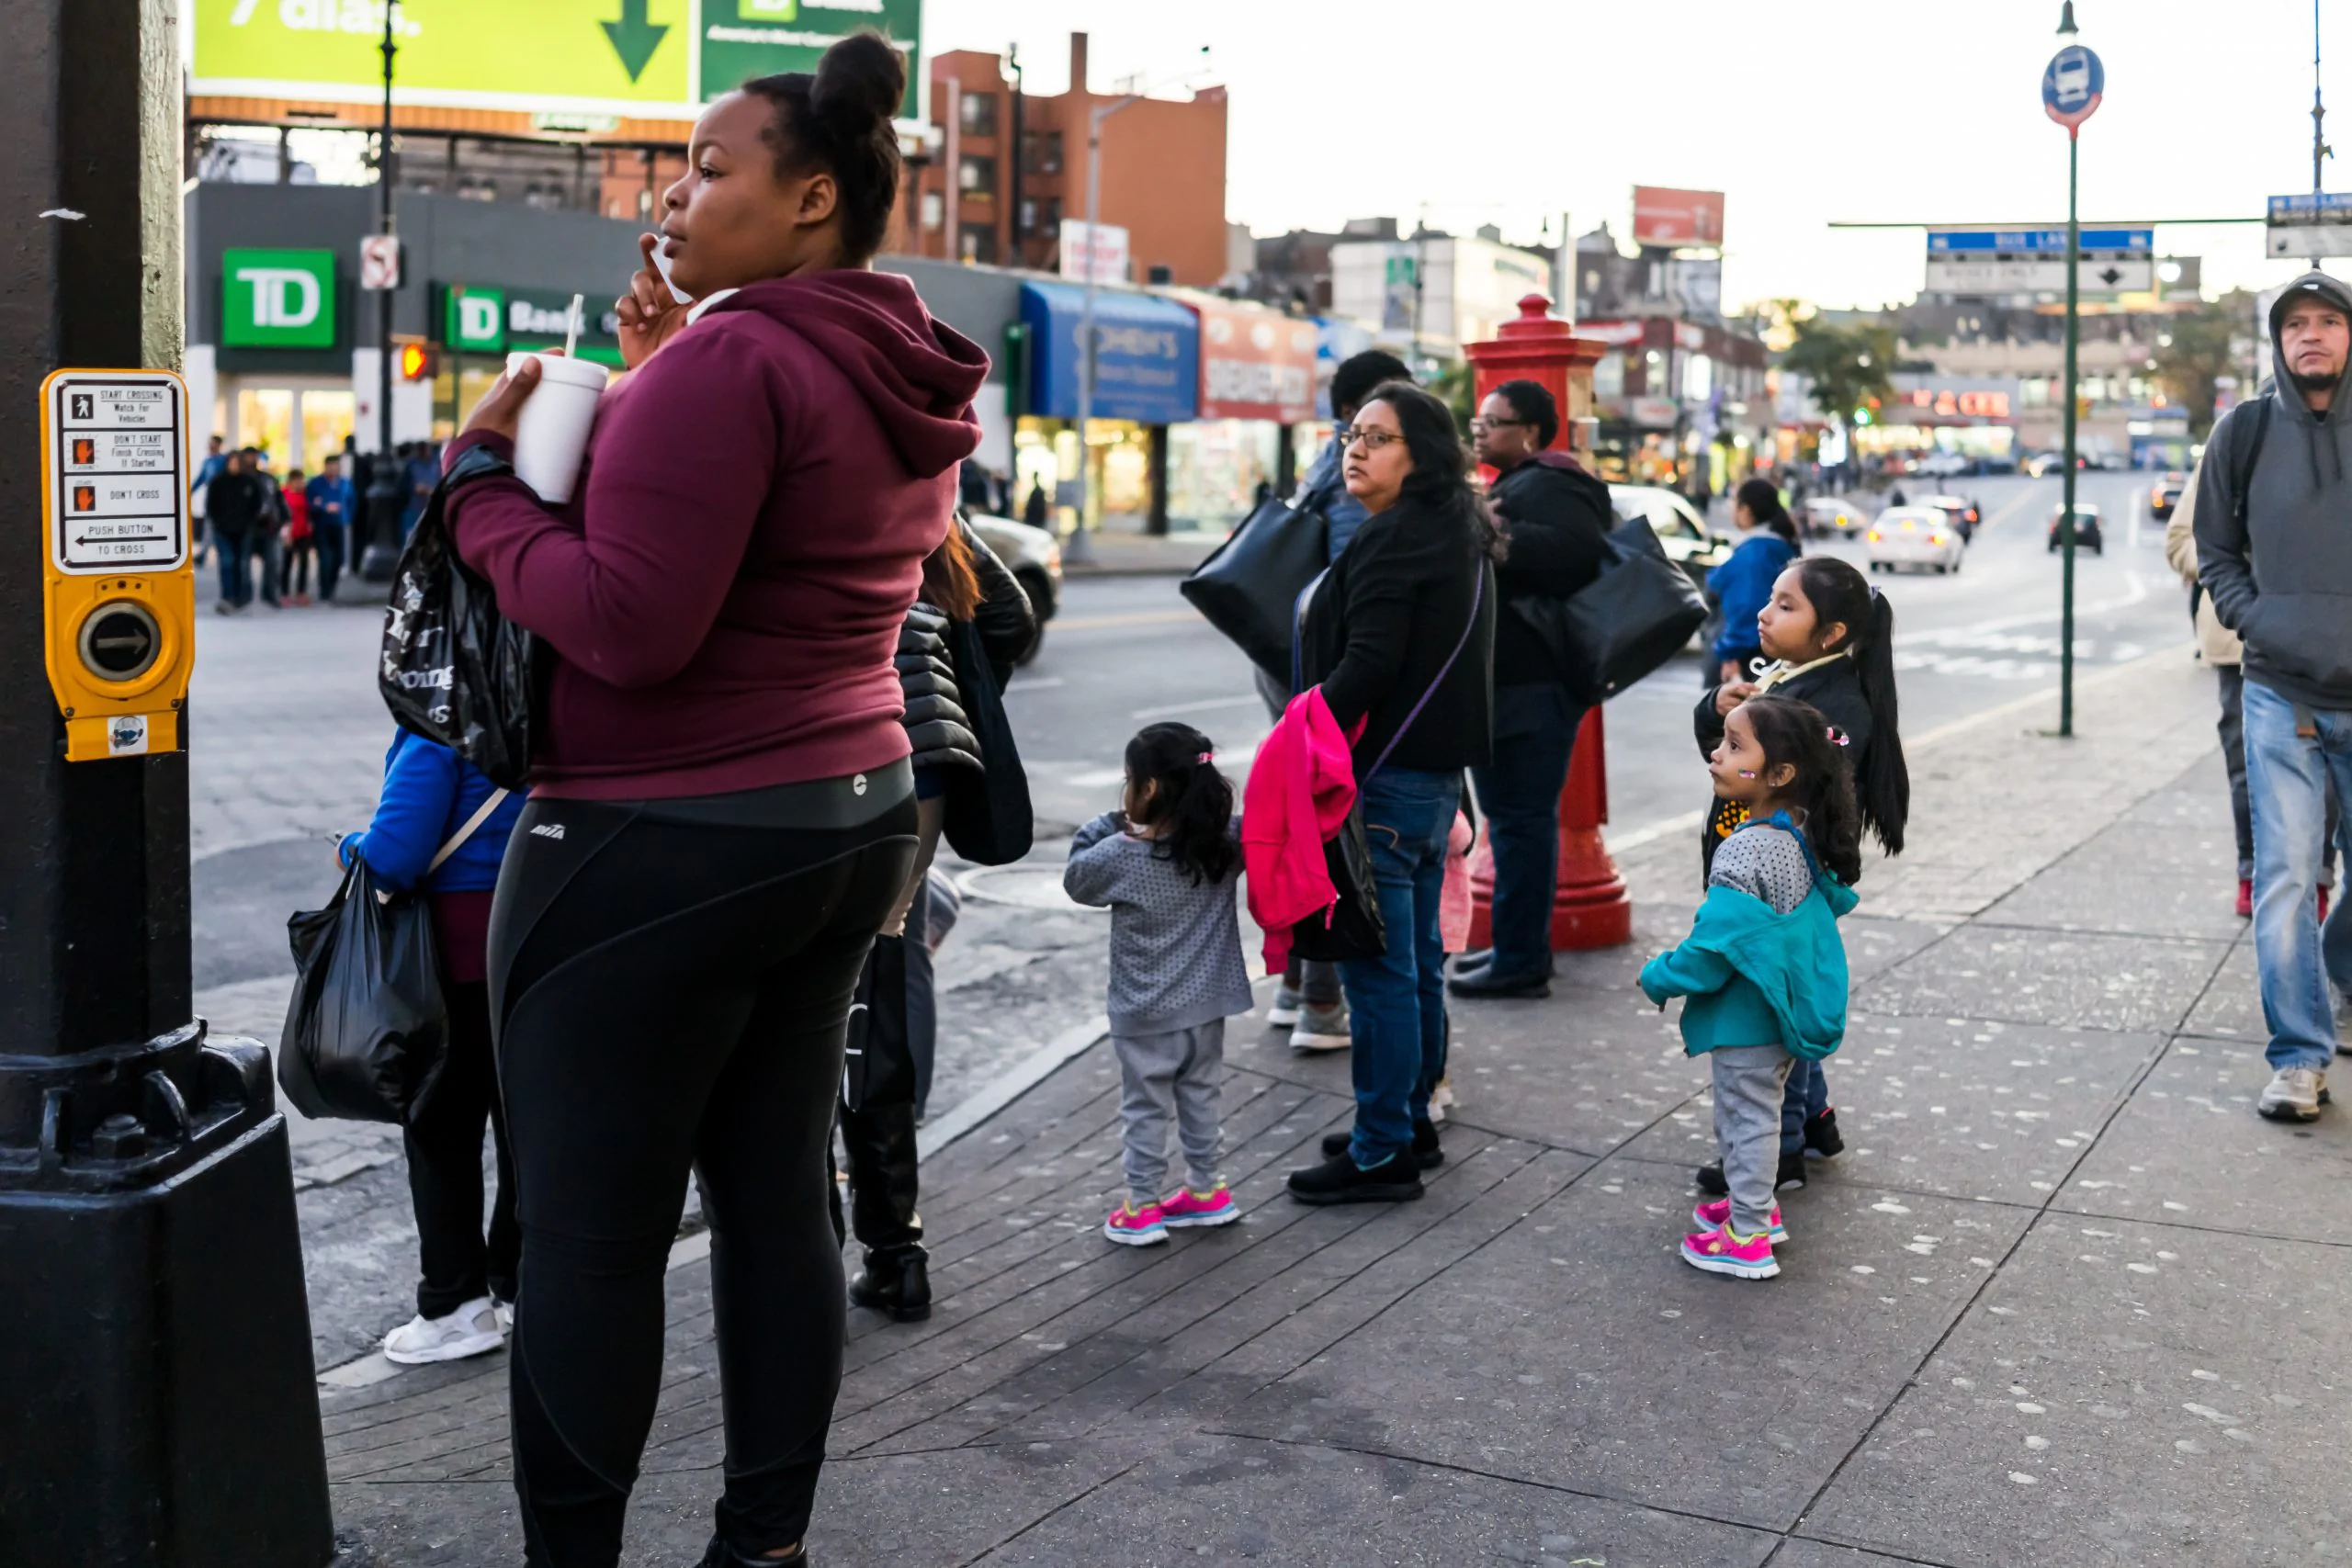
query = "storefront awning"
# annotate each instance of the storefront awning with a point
(1146, 353)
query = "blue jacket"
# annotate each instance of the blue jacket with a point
(430, 792)
(1743, 585)
(1325, 487)
(1755, 976)
(333, 504)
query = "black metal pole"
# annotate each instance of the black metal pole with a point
(382, 556)
(157, 1406)
(1020, 246)
(2067, 526)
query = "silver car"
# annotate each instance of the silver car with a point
(1034, 557)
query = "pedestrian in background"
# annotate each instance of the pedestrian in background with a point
(1743, 584)
(1763, 968)
(722, 814)
(1556, 517)
(441, 827)
(1401, 639)
(332, 507)
(238, 503)
(294, 580)
(1310, 1002)
(1167, 864)
(2275, 554)
(199, 498)
(1035, 511)
(1831, 638)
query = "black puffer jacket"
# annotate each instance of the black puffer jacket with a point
(938, 727)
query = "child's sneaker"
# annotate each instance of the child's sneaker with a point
(1718, 1251)
(1718, 1214)
(1189, 1208)
(1131, 1227)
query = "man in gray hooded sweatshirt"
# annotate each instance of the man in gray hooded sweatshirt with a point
(2274, 550)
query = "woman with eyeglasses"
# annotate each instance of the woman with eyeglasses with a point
(1400, 636)
(1558, 516)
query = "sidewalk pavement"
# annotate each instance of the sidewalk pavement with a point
(2064, 1300)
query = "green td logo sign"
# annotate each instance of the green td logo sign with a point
(277, 299)
(474, 320)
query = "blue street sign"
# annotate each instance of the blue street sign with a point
(2039, 241)
(2311, 207)
(2073, 86)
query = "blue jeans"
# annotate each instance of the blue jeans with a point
(1807, 1096)
(1396, 1002)
(1534, 728)
(236, 551)
(2287, 778)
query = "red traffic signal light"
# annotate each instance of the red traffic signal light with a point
(416, 363)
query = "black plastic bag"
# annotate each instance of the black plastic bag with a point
(453, 670)
(1628, 621)
(1248, 588)
(368, 1029)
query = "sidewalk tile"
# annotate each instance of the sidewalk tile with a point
(2231, 1005)
(2133, 902)
(2079, 980)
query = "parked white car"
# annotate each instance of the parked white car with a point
(1913, 536)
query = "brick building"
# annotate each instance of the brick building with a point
(1163, 172)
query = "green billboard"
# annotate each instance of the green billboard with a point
(653, 59)
(277, 299)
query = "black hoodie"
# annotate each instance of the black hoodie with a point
(2284, 579)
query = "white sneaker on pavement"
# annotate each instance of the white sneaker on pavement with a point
(1285, 1010)
(1440, 1098)
(1321, 1029)
(472, 1330)
(2294, 1094)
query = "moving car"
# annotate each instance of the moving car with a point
(1828, 516)
(1962, 512)
(1913, 536)
(2087, 535)
(1943, 464)
(1688, 541)
(2165, 494)
(1034, 557)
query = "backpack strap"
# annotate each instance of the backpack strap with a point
(472, 825)
(2242, 464)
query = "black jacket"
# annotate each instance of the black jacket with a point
(1381, 625)
(939, 725)
(1835, 688)
(237, 506)
(1558, 518)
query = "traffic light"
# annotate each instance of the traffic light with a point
(1862, 416)
(416, 364)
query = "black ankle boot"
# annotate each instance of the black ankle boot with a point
(896, 1281)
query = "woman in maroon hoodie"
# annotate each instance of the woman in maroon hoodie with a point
(721, 811)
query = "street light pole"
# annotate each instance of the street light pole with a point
(377, 561)
(1079, 548)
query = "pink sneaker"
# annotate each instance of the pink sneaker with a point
(1718, 1251)
(1131, 1227)
(1189, 1208)
(1718, 1214)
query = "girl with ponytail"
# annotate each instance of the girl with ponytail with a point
(1831, 638)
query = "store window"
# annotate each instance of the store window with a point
(979, 114)
(1609, 375)
(976, 176)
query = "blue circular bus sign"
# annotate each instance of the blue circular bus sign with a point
(2073, 86)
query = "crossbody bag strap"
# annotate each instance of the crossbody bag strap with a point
(472, 825)
(1478, 594)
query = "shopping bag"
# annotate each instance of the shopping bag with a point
(367, 1030)
(1249, 588)
(453, 670)
(1628, 621)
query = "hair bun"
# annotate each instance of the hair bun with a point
(860, 83)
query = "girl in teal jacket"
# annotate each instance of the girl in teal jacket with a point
(1763, 969)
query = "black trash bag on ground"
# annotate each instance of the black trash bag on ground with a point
(453, 670)
(1248, 588)
(366, 1032)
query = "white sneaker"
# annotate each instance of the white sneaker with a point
(506, 1310)
(1285, 1010)
(471, 1330)
(1321, 1029)
(1439, 1098)
(2294, 1094)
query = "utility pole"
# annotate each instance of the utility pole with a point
(1079, 548)
(2319, 120)
(382, 555)
(1020, 247)
(157, 1400)
(2072, 87)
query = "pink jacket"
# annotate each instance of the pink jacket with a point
(1302, 785)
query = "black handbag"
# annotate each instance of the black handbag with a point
(1249, 586)
(1624, 624)
(988, 818)
(453, 670)
(1352, 927)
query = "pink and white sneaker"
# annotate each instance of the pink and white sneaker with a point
(1132, 1227)
(1718, 1251)
(1188, 1208)
(1718, 1214)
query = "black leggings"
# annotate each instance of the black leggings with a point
(672, 981)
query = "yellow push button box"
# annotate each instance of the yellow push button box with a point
(120, 581)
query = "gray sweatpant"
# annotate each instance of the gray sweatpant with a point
(1171, 1074)
(1749, 1081)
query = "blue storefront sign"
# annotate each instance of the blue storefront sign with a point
(1146, 353)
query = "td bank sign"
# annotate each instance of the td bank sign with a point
(277, 299)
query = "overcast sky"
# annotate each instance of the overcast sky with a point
(1802, 110)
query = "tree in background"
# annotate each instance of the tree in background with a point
(1849, 366)
(2197, 349)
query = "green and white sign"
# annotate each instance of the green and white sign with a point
(277, 299)
(478, 319)
(651, 59)
(473, 320)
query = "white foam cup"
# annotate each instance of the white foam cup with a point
(551, 436)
